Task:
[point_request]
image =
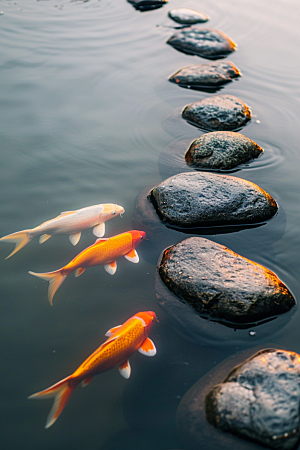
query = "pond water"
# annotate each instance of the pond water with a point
(86, 113)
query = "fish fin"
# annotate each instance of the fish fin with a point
(125, 369)
(112, 330)
(132, 256)
(62, 392)
(74, 238)
(109, 341)
(102, 240)
(67, 213)
(147, 348)
(44, 238)
(99, 230)
(55, 280)
(111, 267)
(79, 271)
(86, 381)
(20, 239)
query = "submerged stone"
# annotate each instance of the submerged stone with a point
(192, 200)
(220, 284)
(260, 399)
(207, 43)
(188, 16)
(221, 150)
(218, 113)
(209, 75)
(146, 5)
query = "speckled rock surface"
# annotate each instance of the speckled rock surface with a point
(188, 16)
(218, 113)
(260, 399)
(221, 284)
(221, 150)
(209, 75)
(146, 5)
(192, 200)
(205, 42)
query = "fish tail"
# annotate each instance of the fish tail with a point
(55, 280)
(20, 239)
(61, 392)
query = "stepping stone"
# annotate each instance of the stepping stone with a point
(202, 199)
(210, 75)
(259, 400)
(146, 5)
(218, 113)
(220, 284)
(221, 150)
(205, 42)
(188, 16)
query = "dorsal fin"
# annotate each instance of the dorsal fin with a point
(67, 213)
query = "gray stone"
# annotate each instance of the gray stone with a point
(205, 42)
(221, 150)
(209, 75)
(218, 113)
(260, 399)
(192, 200)
(146, 5)
(188, 16)
(221, 284)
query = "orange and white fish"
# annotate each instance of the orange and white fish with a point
(68, 222)
(104, 251)
(123, 341)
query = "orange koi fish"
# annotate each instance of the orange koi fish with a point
(123, 341)
(68, 222)
(104, 251)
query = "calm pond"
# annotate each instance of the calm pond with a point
(87, 112)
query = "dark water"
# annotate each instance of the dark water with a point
(86, 110)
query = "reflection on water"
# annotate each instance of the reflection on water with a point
(86, 113)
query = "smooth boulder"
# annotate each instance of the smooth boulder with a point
(260, 399)
(218, 113)
(220, 284)
(221, 150)
(209, 75)
(188, 16)
(146, 5)
(205, 42)
(193, 200)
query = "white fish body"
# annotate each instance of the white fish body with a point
(68, 222)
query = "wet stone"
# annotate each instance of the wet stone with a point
(218, 113)
(188, 16)
(146, 5)
(193, 200)
(260, 399)
(221, 150)
(209, 75)
(220, 284)
(207, 43)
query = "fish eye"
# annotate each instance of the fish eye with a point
(142, 237)
(113, 213)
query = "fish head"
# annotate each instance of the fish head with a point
(137, 237)
(148, 318)
(110, 211)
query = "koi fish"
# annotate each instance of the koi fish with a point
(104, 251)
(68, 222)
(123, 341)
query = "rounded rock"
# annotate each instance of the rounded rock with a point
(209, 75)
(193, 200)
(218, 113)
(188, 16)
(221, 150)
(222, 285)
(205, 42)
(260, 399)
(147, 5)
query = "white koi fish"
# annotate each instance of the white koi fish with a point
(68, 222)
